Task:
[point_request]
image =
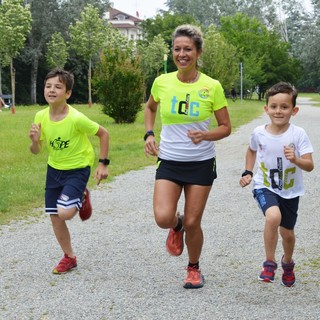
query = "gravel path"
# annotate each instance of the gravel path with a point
(124, 271)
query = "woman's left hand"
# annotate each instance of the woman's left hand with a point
(196, 136)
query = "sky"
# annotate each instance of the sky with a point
(146, 8)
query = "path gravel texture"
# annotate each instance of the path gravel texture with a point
(124, 271)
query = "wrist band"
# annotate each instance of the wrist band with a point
(246, 172)
(148, 133)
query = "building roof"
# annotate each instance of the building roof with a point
(113, 13)
(125, 23)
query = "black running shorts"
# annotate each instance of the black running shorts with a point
(200, 173)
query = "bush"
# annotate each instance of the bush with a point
(119, 85)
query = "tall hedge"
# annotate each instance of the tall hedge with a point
(119, 85)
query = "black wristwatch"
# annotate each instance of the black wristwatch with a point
(148, 133)
(246, 172)
(104, 161)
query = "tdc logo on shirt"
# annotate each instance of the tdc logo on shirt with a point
(58, 144)
(186, 107)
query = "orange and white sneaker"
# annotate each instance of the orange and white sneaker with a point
(85, 211)
(66, 264)
(175, 243)
(194, 279)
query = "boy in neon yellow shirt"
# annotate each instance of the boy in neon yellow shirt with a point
(65, 132)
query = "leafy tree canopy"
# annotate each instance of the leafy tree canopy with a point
(208, 12)
(219, 59)
(164, 25)
(265, 56)
(15, 23)
(57, 51)
(153, 55)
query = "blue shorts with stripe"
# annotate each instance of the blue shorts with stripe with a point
(288, 207)
(65, 188)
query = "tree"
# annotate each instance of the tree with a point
(165, 25)
(278, 63)
(265, 56)
(115, 39)
(4, 59)
(72, 9)
(208, 12)
(14, 28)
(57, 51)
(119, 84)
(310, 58)
(44, 23)
(87, 39)
(219, 59)
(205, 12)
(248, 36)
(153, 55)
(303, 31)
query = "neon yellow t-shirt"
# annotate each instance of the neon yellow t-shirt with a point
(183, 107)
(67, 140)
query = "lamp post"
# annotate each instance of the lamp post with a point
(165, 62)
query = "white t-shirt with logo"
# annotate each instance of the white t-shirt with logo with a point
(275, 172)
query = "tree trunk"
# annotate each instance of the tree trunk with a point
(34, 76)
(13, 87)
(89, 84)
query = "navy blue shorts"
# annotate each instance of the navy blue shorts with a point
(200, 173)
(65, 188)
(288, 207)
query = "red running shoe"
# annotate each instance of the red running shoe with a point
(66, 264)
(288, 277)
(268, 271)
(174, 243)
(194, 279)
(85, 211)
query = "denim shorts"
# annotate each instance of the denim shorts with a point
(288, 207)
(65, 188)
(200, 173)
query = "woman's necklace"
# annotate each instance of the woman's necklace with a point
(189, 81)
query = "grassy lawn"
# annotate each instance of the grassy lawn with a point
(22, 174)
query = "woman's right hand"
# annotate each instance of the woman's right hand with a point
(151, 147)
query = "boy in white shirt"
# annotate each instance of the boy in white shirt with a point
(282, 151)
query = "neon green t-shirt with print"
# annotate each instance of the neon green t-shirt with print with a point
(183, 107)
(67, 140)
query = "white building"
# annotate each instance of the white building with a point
(128, 25)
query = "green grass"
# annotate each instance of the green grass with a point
(22, 174)
(314, 96)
